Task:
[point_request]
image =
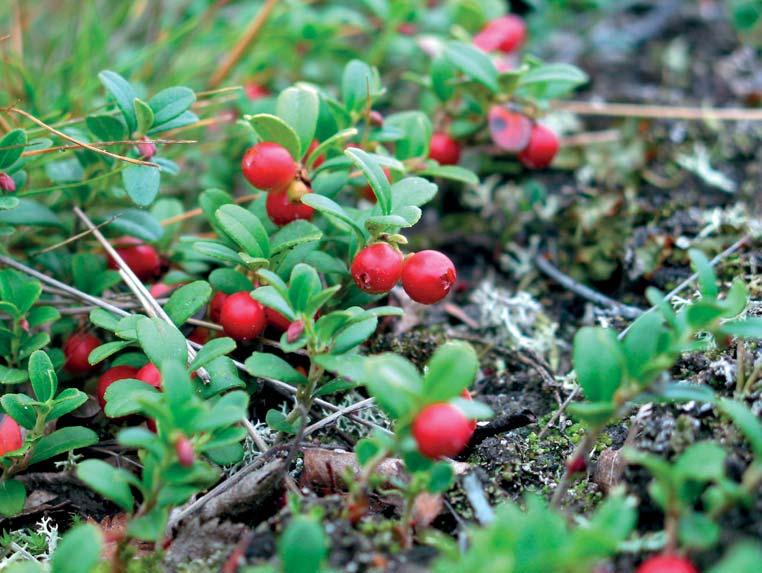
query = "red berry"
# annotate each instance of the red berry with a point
(146, 148)
(268, 166)
(184, 451)
(242, 317)
(576, 465)
(542, 148)
(76, 350)
(377, 268)
(215, 306)
(254, 91)
(10, 435)
(282, 210)
(7, 183)
(320, 159)
(109, 377)
(141, 258)
(199, 335)
(428, 276)
(444, 149)
(151, 423)
(150, 375)
(277, 320)
(667, 564)
(160, 290)
(441, 430)
(506, 34)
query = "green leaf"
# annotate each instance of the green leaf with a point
(123, 397)
(123, 93)
(592, 413)
(12, 375)
(104, 319)
(19, 290)
(395, 384)
(747, 328)
(354, 334)
(136, 223)
(272, 298)
(272, 128)
(747, 422)
(473, 63)
(150, 526)
(549, 81)
(743, 557)
(375, 176)
(359, 85)
(706, 277)
(212, 350)
(277, 421)
(187, 300)
(472, 409)
(304, 284)
(303, 546)
(416, 130)
(143, 116)
(451, 172)
(332, 209)
(245, 229)
(266, 365)
(79, 551)
(161, 341)
(20, 408)
(43, 376)
(170, 103)
(67, 401)
(12, 145)
(63, 440)
(217, 251)
(441, 477)
(599, 362)
(451, 370)
(641, 343)
(185, 118)
(293, 234)
(697, 531)
(703, 461)
(229, 281)
(141, 183)
(12, 497)
(30, 213)
(298, 107)
(108, 481)
(103, 351)
(106, 127)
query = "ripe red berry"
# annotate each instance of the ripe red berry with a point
(444, 149)
(282, 209)
(150, 375)
(576, 465)
(215, 306)
(506, 34)
(377, 268)
(277, 320)
(428, 276)
(199, 335)
(76, 350)
(184, 451)
(542, 148)
(254, 91)
(10, 435)
(109, 377)
(141, 258)
(7, 183)
(242, 317)
(320, 159)
(441, 430)
(268, 166)
(667, 564)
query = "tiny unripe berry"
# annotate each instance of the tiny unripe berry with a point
(667, 564)
(76, 349)
(294, 331)
(427, 276)
(505, 34)
(109, 377)
(444, 149)
(376, 118)
(146, 149)
(215, 306)
(184, 451)
(277, 320)
(7, 183)
(10, 435)
(283, 209)
(268, 166)
(242, 318)
(142, 259)
(377, 268)
(441, 430)
(542, 148)
(150, 375)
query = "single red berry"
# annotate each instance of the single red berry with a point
(282, 210)
(109, 377)
(10, 435)
(542, 148)
(160, 290)
(7, 183)
(242, 317)
(441, 430)
(277, 320)
(428, 276)
(76, 350)
(444, 149)
(320, 159)
(199, 335)
(506, 34)
(146, 149)
(215, 306)
(184, 451)
(254, 91)
(268, 166)
(377, 268)
(667, 564)
(151, 424)
(141, 258)
(367, 191)
(576, 465)
(150, 375)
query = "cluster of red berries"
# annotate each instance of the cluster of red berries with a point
(442, 430)
(270, 167)
(427, 276)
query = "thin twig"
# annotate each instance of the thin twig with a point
(361, 405)
(77, 236)
(56, 148)
(659, 111)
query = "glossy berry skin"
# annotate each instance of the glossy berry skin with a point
(277, 320)
(268, 166)
(242, 317)
(215, 306)
(441, 430)
(428, 276)
(542, 148)
(283, 210)
(142, 259)
(150, 375)
(377, 268)
(10, 435)
(76, 350)
(444, 149)
(505, 34)
(7, 183)
(667, 564)
(109, 377)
